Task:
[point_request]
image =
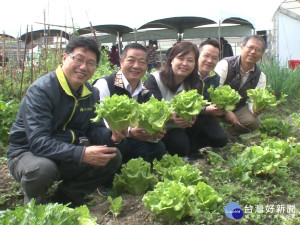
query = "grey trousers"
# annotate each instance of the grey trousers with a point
(36, 174)
(247, 119)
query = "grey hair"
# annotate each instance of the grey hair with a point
(257, 37)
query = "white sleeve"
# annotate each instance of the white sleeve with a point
(102, 86)
(262, 82)
(222, 69)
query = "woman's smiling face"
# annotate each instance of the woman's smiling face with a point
(183, 66)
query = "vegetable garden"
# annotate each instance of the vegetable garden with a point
(260, 172)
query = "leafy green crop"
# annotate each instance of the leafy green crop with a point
(206, 197)
(180, 194)
(176, 201)
(172, 199)
(275, 127)
(135, 178)
(187, 174)
(262, 99)
(174, 168)
(115, 205)
(8, 112)
(188, 104)
(49, 214)
(224, 97)
(119, 111)
(153, 115)
(264, 159)
(166, 162)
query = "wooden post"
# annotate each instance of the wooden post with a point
(60, 48)
(31, 70)
(23, 68)
(3, 59)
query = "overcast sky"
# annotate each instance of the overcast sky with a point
(16, 14)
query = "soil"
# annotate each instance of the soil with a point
(133, 212)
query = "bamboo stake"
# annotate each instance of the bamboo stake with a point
(11, 70)
(56, 50)
(54, 25)
(3, 60)
(18, 66)
(31, 70)
(91, 27)
(72, 20)
(22, 77)
(40, 61)
(18, 54)
(60, 48)
(46, 58)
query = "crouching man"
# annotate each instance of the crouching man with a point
(45, 138)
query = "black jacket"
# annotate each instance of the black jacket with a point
(51, 119)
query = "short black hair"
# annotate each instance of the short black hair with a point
(209, 42)
(87, 43)
(133, 46)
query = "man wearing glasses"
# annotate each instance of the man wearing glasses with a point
(242, 73)
(45, 140)
(207, 132)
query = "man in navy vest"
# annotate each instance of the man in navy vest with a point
(127, 81)
(242, 73)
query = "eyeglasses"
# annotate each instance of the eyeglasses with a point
(80, 61)
(207, 56)
(251, 47)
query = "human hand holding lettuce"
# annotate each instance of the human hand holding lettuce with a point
(119, 111)
(224, 97)
(152, 116)
(262, 99)
(147, 120)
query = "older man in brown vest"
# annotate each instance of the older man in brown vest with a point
(242, 73)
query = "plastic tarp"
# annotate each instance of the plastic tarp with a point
(66, 15)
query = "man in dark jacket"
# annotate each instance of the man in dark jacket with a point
(45, 138)
(242, 73)
(207, 124)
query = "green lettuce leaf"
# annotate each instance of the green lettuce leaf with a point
(224, 97)
(188, 104)
(275, 127)
(153, 115)
(119, 111)
(262, 99)
(135, 177)
(264, 159)
(47, 214)
(206, 197)
(166, 162)
(171, 199)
